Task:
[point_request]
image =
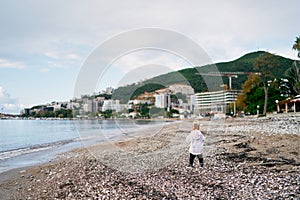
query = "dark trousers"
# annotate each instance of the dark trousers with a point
(192, 158)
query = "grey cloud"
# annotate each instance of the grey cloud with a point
(31, 27)
(7, 103)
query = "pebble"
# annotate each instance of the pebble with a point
(85, 177)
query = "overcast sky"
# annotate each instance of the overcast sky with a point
(43, 44)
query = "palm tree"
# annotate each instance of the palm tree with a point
(293, 76)
(293, 73)
(296, 45)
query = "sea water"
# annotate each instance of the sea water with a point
(30, 142)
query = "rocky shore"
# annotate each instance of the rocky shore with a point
(245, 158)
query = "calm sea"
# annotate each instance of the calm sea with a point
(29, 142)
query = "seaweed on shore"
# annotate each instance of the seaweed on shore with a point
(267, 162)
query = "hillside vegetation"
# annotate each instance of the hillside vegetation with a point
(192, 77)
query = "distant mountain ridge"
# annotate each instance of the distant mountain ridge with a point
(191, 76)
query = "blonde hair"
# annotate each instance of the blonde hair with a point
(196, 125)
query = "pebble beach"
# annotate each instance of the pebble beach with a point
(244, 158)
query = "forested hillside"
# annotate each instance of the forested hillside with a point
(192, 77)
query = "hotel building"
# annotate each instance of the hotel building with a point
(216, 101)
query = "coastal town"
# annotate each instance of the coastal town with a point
(177, 99)
(258, 91)
(150, 100)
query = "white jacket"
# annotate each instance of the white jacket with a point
(196, 141)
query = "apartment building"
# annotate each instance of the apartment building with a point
(216, 101)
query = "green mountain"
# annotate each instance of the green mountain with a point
(191, 76)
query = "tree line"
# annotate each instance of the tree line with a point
(262, 91)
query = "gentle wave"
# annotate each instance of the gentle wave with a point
(36, 148)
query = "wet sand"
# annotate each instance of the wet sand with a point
(245, 158)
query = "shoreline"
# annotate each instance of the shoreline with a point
(235, 149)
(46, 152)
(102, 119)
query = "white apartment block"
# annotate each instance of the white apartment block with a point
(162, 100)
(112, 105)
(184, 89)
(216, 101)
(137, 101)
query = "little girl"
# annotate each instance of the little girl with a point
(196, 141)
